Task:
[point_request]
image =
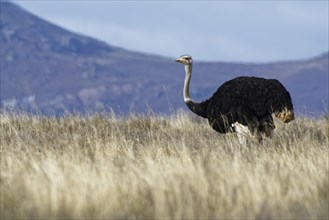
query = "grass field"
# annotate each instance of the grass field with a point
(172, 167)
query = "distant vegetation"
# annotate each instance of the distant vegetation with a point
(104, 166)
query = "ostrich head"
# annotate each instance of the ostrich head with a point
(185, 59)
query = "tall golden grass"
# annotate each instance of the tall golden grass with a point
(177, 167)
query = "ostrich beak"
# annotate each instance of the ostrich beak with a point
(178, 60)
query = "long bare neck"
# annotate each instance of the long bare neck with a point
(186, 90)
(198, 108)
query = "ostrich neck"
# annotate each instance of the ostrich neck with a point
(198, 108)
(186, 91)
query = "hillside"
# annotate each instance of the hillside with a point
(48, 68)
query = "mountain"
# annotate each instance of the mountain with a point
(48, 68)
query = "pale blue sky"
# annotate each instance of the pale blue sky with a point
(248, 31)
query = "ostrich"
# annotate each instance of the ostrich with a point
(242, 101)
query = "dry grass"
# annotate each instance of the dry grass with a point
(103, 166)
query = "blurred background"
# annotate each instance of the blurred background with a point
(250, 31)
(65, 56)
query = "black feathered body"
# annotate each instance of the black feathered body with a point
(247, 100)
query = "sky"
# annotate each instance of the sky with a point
(232, 31)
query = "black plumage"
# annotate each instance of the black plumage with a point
(249, 101)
